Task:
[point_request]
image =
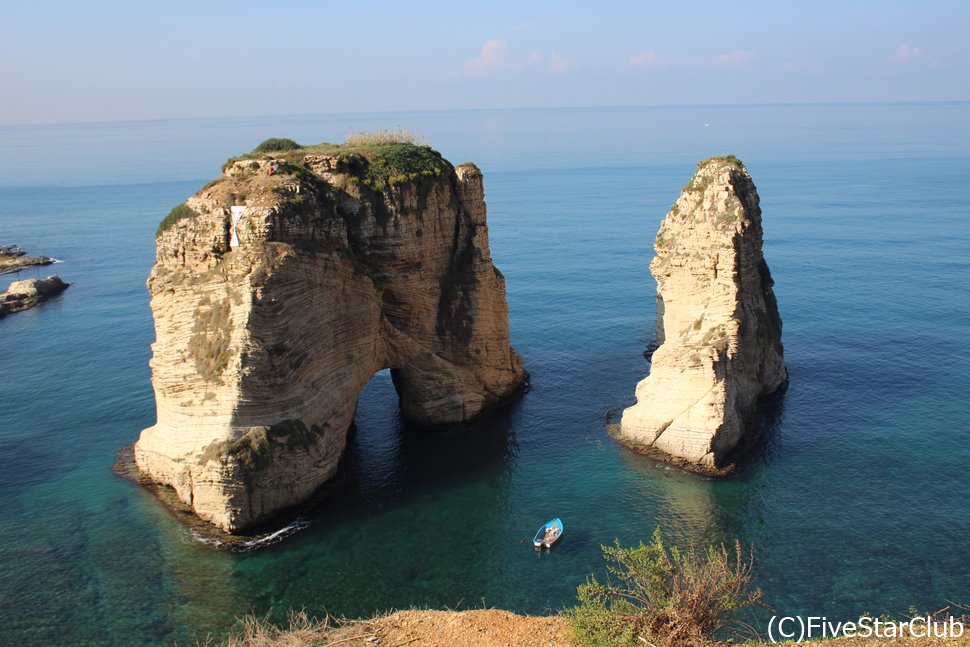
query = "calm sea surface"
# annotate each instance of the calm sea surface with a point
(855, 502)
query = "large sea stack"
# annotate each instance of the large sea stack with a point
(718, 328)
(282, 287)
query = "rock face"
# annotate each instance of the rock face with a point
(281, 289)
(22, 295)
(717, 323)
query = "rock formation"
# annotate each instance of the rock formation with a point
(280, 289)
(13, 259)
(718, 328)
(22, 295)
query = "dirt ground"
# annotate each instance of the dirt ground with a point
(477, 628)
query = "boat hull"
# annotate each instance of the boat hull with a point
(548, 534)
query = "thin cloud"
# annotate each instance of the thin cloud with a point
(645, 59)
(491, 57)
(523, 26)
(905, 54)
(559, 63)
(736, 58)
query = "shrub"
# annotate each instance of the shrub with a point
(383, 136)
(394, 164)
(663, 595)
(181, 211)
(276, 145)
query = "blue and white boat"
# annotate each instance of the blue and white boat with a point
(548, 534)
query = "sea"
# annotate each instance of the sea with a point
(855, 501)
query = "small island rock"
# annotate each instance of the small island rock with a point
(22, 295)
(13, 259)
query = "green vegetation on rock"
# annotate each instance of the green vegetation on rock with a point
(178, 213)
(727, 159)
(275, 144)
(209, 344)
(378, 160)
(395, 164)
(254, 448)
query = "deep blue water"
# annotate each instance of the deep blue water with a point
(855, 502)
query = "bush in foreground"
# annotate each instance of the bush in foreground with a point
(657, 594)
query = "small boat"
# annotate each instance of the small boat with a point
(548, 534)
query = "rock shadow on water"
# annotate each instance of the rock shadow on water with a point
(762, 445)
(408, 461)
(420, 461)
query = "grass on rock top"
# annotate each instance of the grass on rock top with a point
(373, 159)
(376, 162)
(729, 160)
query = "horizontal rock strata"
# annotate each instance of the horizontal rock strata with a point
(279, 290)
(718, 328)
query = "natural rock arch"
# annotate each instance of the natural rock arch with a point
(348, 262)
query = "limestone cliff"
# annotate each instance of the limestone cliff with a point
(281, 288)
(718, 328)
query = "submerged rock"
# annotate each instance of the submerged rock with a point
(22, 295)
(718, 328)
(280, 289)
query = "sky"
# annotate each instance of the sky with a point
(135, 60)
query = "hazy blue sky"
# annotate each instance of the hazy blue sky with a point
(94, 61)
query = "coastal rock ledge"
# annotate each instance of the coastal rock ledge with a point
(718, 328)
(23, 295)
(281, 288)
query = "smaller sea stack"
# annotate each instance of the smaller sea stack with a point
(718, 328)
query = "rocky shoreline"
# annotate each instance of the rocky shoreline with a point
(14, 259)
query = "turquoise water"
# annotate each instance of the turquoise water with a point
(855, 501)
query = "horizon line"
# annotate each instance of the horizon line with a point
(793, 104)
